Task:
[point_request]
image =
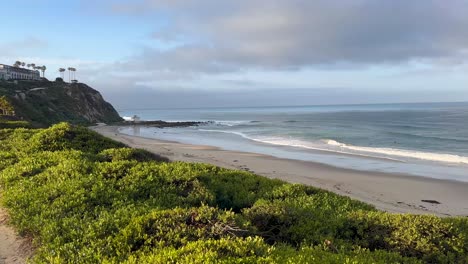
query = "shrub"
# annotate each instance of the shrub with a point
(425, 237)
(299, 214)
(224, 250)
(28, 166)
(65, 136)
(16, 140)
(237, 189)
(175, 228)
(14, 124)
(166, 185)
(7, 159)
(320, 254)
(115, 154)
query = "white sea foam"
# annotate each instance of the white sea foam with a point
(338, 147)
(316, 146)
(231, 123)
(291, 143)
(333, 142)
(227, 132)
(440, 157)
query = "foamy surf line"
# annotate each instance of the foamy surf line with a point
(341, 148)
(289, 144)
(439, 157)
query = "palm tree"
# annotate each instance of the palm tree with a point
(43, 69)
(22, 64)
(69, 73)
(17, 64)
(61, 70)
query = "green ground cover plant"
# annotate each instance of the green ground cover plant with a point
(88, 199)
(13, 124)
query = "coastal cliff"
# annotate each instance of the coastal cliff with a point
(44, 103)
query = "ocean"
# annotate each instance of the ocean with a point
(422, 139)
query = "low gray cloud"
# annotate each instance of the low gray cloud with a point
(17, 48)
(150, 99)
(287, 35)
(213, 44)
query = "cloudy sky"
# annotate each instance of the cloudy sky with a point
(182, 53)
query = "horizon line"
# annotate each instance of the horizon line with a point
(278, 106)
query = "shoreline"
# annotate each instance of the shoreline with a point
(398, 193)
(300, 150)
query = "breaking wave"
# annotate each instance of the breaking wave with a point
(338, 147)
(439, 157)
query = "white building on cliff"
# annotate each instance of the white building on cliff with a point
(16, 73)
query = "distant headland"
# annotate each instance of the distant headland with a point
(42, 103)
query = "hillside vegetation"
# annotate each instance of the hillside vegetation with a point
(43, 103)
(87, 199)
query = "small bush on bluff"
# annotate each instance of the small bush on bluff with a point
(297, 213)
(224, 250)
(33, 164)
(16, 140)
(14, 124)
(166, 185)
(320, 254)
(237, 189)
(65, 136)
(175, 228)
(7, 159)
(425, 237)
(116, 154)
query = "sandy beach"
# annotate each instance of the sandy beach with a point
(388, 192)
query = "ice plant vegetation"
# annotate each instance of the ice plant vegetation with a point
(87, 199)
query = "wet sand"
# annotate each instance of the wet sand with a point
(389, 192)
